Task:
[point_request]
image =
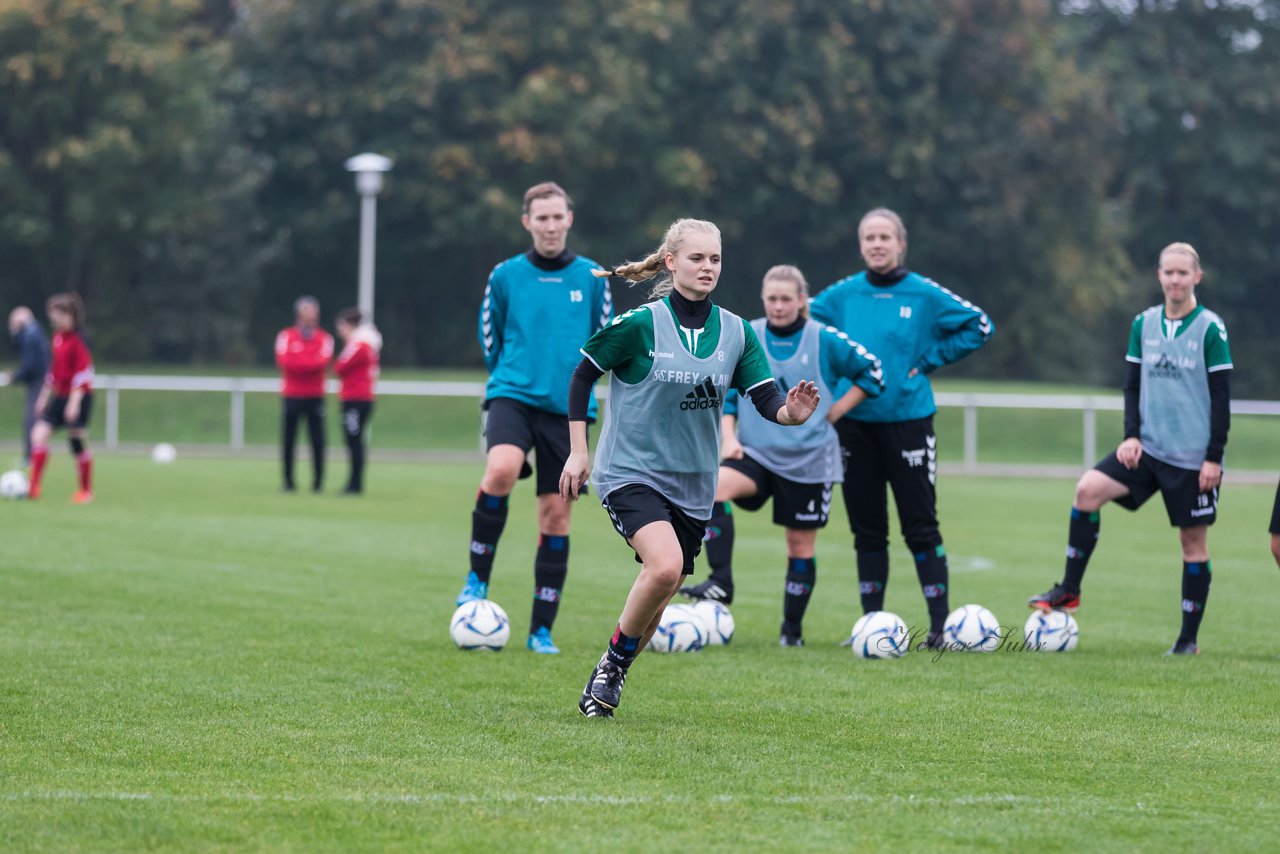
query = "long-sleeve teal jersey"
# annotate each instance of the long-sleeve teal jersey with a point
(532, 322)
(911, 323)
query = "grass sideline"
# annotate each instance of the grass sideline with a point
(452, 424)
(198, 662)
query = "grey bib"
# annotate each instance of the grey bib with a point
(664, 431)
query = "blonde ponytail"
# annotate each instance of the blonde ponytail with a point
(654, 265)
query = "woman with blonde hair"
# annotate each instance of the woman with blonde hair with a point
(1177, 412)
(673, 361)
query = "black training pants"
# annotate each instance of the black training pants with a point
(312, 408)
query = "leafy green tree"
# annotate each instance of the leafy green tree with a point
(119, 175)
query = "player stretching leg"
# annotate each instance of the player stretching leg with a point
(1177, 411)
(673, 361)
(539, 307)
(798, 468)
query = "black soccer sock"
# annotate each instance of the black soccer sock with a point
(802, 574)
(549, 570)
(487, 522)
(873, 575)
(622, 650)
(1082, 536)
(719, 539)
(1196, 578)
(931, 567)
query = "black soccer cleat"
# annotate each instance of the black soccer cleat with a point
(587, 704)
(606, 685)
(710, 590)
(1183, 647)
(789, 635)
(1058, 598)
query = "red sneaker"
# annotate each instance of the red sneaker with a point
(82, 496)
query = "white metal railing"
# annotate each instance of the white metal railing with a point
(1089, 405)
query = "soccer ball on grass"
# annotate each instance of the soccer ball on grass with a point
(481, 624)
(1051, 631)
(13, 485)
(880, 634)
(972, 628)
(681, 629)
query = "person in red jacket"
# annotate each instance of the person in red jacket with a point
(357, 368)
(67, 396)
(303, 352)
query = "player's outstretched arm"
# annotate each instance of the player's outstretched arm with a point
(578, 464)
(802, 400)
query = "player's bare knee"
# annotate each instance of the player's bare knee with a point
(553, 515)
(1275, 548)
(1195, 543)
(665, 572)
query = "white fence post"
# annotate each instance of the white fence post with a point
(1090, 434)
(970, 434)
(237, 415)
(113, 417)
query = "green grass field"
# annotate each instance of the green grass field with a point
(198, 662)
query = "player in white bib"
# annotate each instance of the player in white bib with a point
(672, 362)
(1177, 411)
(797, 468)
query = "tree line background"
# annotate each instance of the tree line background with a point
(179, 162)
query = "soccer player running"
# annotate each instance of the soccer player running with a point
(538, 309)
(1177, 411)
(914, 326)
(357, 369)
(66, 399)
(303, 352)
(673, 362)
(798, 468)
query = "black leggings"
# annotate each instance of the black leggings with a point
(355, 424)
(313, 409)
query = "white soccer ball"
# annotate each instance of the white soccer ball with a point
(164, 453)
(1051, 631)
(718, 619)
(13, 484)
(681, 629)
(973, 628)
(880, 634)
(481, 624)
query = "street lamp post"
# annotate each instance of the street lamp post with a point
(368, 168)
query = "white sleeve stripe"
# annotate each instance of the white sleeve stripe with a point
(762, 382)
(587, 356)
(1227, 367)
(1135, 360)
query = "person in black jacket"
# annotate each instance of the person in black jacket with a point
(33, 363)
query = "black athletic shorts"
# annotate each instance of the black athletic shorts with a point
(799, 506)
(1187, 506)
(55, 413)
(1275, 513)
(509, 422)
(635, 505)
